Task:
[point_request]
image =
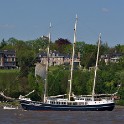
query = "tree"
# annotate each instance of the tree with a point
(89, 55)
(38, 44)
(62, 41)
(3, 44)
(25, 57)
(80, 47)
(12, 41)
(63, 45)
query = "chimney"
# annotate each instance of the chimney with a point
(79, 55)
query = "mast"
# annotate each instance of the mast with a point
(96, 67)
(47, 64)
(72, 62)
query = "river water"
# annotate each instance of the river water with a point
(34, 117)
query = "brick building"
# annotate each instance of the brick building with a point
(7, 59)
(55, 58)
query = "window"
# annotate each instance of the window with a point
(13, 59)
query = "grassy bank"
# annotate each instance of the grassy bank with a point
(9, 104)
(120, 102)
(8, 79)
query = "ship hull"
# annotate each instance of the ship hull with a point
(50, 107)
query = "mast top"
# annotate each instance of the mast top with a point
(50, 25)
(75, 27)
(76, 16)
(100, 35)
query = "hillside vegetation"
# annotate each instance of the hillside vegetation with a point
(22, 81)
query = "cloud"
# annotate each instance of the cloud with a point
(7, 26)
(105, 10)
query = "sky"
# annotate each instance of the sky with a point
(30, 19)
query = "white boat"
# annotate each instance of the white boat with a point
(10, 107)
(72, 102)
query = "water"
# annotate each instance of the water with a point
(34, 117)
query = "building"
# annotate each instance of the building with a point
(55, 58)
(115, 57)
(7, 59)
(111, 58)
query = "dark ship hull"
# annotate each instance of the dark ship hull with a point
(39, 106)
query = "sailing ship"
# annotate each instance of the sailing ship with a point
(92, 102)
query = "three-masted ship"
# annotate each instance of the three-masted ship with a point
(94, 102)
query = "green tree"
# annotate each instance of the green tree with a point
(89, 55)
(3, 44)
(38, 45)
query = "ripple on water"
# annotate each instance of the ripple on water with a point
(34, 117)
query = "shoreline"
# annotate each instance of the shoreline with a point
(119, 106)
